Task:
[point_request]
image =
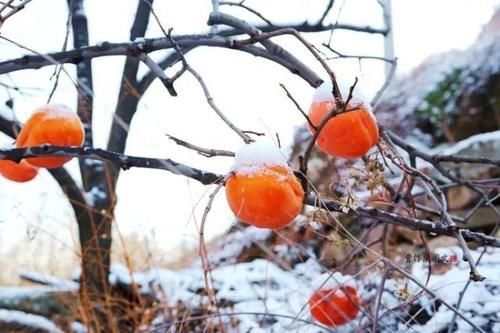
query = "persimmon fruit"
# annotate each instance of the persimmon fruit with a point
(335, 305)
(52, 124)
(265, 194)
(19, 172)
(349, 134)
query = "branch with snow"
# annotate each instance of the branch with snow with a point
(122, 161)
(138, 47)
(12, 321)
(125, 162)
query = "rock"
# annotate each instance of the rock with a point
(485, 145)
(449, 97)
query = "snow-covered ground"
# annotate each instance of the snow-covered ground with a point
(267, 298)
(261, 296)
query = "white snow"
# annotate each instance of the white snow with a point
(468, 143)
(120, 274)
(50, 280)
(262, 286)
(94, 194)
(332, 281)
(234, 243)
(251, 289)
(324, 93)
(28, 320)
(7, 113)
(7, 145)
(15, 294)
(77, 327)
(55, 111)
(255, 155)
(473, 68)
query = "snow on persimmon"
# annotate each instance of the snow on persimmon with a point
(52, 124)
(262, 190)
(350, 134)
(335, 300)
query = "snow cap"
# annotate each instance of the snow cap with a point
(255, 155)
(333, 281)
(56, 111)
(324, 93)
(7, 145)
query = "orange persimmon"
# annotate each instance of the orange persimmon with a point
(18, 172)
(263, 192)
(335, 305)
(349, 134)
(52, 124)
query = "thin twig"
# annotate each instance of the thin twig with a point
(445, 217)
(289, 31)
(158, 71)
(302, 112)
(378, 300)
(386, 83)
(360, 57)
(332, 113)
(250, 9)
(126, 162)
(329, 7)
(207, 152)
(204, 253)
(208, 96)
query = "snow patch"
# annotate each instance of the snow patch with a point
(77, 327)
(329, 281)
(7, 114)
(468, 143)
(324, 93)
(50, 280)
(55, 111)
(27, 320)
(256, 155)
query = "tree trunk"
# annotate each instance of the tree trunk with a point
(95, 290)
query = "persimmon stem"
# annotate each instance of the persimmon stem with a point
(205, 177)
(307, 153)
(302, 112)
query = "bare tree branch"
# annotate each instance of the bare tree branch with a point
(61, 175)
(207, 152)
(159, 73)
(250, 9)
(125, 162)
(128, 98)
(121, 161)
(91, 172)
(304, 161)
(329, 7)
(302, 112)
(13, 9)
(308, 27)
(257, 36)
